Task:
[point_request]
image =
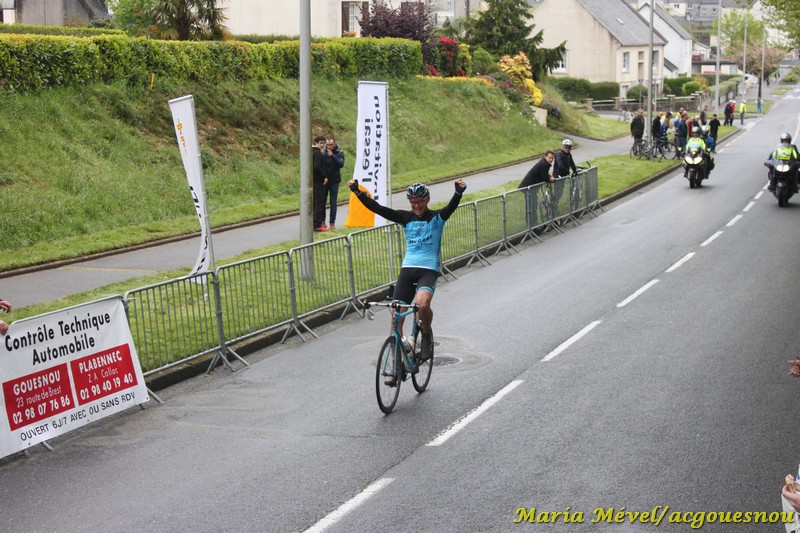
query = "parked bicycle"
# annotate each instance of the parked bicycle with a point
(625, 116)
(658, 148)
(576, 188)
(400, 357)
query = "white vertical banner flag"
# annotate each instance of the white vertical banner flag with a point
(372, 142)
(186, 131)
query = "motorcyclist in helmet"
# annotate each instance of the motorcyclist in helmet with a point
(785, 151)
(697, 140)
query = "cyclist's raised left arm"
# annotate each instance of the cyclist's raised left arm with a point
(450, 208)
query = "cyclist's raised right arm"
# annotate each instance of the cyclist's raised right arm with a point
(375, 207)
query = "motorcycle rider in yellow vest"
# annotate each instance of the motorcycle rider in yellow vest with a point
(785, 151)
(696, 140)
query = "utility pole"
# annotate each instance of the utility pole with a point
(719, 46)
(306, 231)
(649, 125)
(763, 53)
(744, 57)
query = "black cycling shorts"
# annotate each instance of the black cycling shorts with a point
(412, 280)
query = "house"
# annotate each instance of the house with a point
(51, 12)
(678, 50)
(329, 18)
(606, 40)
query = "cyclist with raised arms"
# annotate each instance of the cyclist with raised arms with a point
(423, 229)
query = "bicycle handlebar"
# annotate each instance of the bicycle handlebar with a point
(394, 304)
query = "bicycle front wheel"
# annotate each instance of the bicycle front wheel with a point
(639, 149)
(424, 368)
(387, 376)
(669, 150)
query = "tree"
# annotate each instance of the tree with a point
(187, 20)
(503, 29)
(732, 29)
(412, 20)
(772, 57)
(784, 15)
(132, 16)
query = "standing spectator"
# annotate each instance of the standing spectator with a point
(703, 118)
(728, 113)
(320, 183)
(742, 111)
(655, 128)
(5, 306)
(758, 106)
(332, 162)
(713, 130)
(690, 123)
(637, 126)
(563, 166)
(680, 132)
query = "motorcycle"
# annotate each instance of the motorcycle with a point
(785, 179)
(694, 165)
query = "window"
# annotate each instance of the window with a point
(626, 61)
(351, 12)
(561, 66)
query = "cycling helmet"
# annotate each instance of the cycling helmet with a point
(418, 190)
(695, 130)
(786, 138)
(704, 129)
(566, 142)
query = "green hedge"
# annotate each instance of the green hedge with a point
(675, 85)
(571, 88)
(32, 62)
(604, 90)
(30, 29)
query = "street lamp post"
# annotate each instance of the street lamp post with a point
(744, 57)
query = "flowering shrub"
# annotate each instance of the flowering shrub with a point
(518, 70)
(447, 58)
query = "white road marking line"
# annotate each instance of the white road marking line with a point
(759, 194)
(348, 506)
(633, 296)
(680, 262)
(478, 411)
(748, 206)
(569, 342)
(711, 239)
(733, 221)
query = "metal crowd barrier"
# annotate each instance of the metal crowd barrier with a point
(176, 321)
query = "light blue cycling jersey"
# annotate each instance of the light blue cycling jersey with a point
(423, 234)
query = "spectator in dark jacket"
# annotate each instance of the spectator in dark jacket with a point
(655, 127)
(563, 165)
(320, 182)
(713, 128)
(332, 162)
(540, 172)
(637, 126)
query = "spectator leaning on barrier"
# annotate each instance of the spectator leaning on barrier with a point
(5, 306)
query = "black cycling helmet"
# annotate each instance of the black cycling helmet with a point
(786, 138)
(418, 190)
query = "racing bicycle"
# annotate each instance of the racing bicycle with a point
(400, 358)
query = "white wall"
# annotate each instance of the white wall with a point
(282, 17)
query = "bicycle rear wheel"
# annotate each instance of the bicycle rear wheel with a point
(669, 150)
(424, 368)
(639, 149)
(388, 370)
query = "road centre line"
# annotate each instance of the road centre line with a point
(636, 294)
(349, 505)
(748, 206)
(569, 342)
(472, 415)
(680, 262)
(733, 221)
(711, 239)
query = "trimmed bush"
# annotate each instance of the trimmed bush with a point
(639, 92)
(675, 85)
(33, 62)
(691, 87)
(29, 29)
(604, 90)
(572, 88)
(483, 62)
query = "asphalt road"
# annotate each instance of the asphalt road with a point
(623, 371)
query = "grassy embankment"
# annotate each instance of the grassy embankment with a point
(107, 173)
